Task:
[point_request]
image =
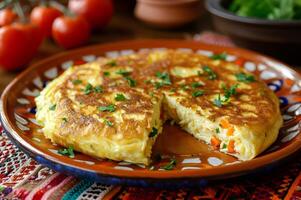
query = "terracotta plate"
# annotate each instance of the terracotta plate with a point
(196, 162)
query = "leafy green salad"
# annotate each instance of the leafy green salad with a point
(267, 9)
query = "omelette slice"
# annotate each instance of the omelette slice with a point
(83, 110)
(223, 105)
(115, 108)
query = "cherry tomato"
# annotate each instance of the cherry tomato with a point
(43, 17)
(97, 12)
(7, 16)
(18, 45)
(70, 31)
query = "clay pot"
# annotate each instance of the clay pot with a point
(168, 13)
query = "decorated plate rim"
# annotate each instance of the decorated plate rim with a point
(223, 170)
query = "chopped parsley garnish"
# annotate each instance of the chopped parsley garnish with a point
(120, 97)
(170, 165)
(151, 94)
(109, 108)
(224, 146)
(165, 79)
(88, 89)
(218, 101)
(77, 82)
(173, 90)
(184, 87)
(108, 123)
(106, 73)
(242, 77)
(123, 72)
(131, 81)
(153, 133)
(98, 89)
(67, 152)
(112, 63)
(64, 119)
(217, 130)
(195, 85)
(211, 74)
(52, 107)
(228, 93)
(222, 56)
(198, 93)
(158, 85)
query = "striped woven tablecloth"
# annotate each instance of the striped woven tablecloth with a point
(23, 178)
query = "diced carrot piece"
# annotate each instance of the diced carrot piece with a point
(231, 146)
(225, 123)
(215, 142)
(230, 131)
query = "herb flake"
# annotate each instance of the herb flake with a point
(52, 107)
(106, 73)
(112, 63)
(131, 82)
(184, 87)
(77, 82)
(195, 85)
(153, 133)
(88, 89)
(217, 130)
(230, 92)
(246, 78)
(170, 165)
(222, 56)
(198, 93)
(165, 79)
(158, 85)
(211, 74)
(123, 72)
(120, 97)
(108, 123)
(67, 152)
(109, 108)
(98, 89)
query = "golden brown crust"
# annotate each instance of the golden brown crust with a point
(143, 79)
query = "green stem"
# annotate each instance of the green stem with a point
(19, 11)
(5, 3)
(60, 7)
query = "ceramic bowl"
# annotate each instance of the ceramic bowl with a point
(196, 164)
(280, 38)
(166, 13)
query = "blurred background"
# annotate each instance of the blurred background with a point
(34, 30)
